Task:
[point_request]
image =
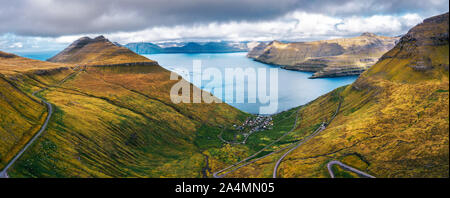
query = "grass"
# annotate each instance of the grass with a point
(118, 121)
(11, 64)
(106, 126)
(115, 121)
(441, 91)
(206, 137)
(21, 117)
(393, 120)
(100, 53)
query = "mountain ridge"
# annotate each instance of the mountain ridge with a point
(393, 120)
(189, 47)
(97, 51)
(327, 58)
(116, 120)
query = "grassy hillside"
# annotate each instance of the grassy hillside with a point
(21, 114)
(109, 122)
(13, 64)
(20, 118)
(98, 51)
(394, 120)
(117, 121)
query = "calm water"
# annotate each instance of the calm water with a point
(294, 88)
(38, 55)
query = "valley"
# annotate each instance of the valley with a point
(393, 121)
(115, 121)
(97, 109)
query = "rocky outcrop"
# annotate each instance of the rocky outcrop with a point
(338, 72)
(327, 58)
(419, 46)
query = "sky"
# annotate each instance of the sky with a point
(46, 25)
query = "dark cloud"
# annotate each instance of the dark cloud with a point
(68, 17)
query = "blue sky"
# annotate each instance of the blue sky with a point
(49, 25)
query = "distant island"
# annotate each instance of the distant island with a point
(189, 47)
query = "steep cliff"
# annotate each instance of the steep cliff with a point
(327, 58)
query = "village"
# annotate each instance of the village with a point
(255, 124)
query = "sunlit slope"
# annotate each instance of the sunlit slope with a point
(119, 121)
(13, 64)
(309, 119)
(394, 120)
(20, 119)
(21, 114)
(98, 51)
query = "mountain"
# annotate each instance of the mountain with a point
(327, 58)
(190, 47)
(112, 116)
(144, 48)
(116, 119)
(97, 51)
(393, 121)
(13, 64)
(257, 50)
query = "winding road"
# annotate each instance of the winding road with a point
(244, 162)
(346, 167)
(222, 173)
(317, 131)
(4, 172)
(229, 142)
(330, 164)
(322, 127)
(218, 174)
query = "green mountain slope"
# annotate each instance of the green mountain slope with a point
(393, 121)
(116, 120)
(21, 114)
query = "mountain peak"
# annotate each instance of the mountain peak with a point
(100, 38)
(97, 51)
(420, 54)
(368, 34)
(437, 19)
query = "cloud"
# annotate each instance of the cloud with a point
(296, 26)
(53, 24)
(14, 43)
(70, 17)
(388, 25)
